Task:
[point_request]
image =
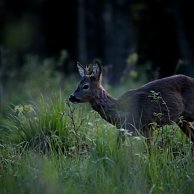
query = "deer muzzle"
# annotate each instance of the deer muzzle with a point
(73, 99)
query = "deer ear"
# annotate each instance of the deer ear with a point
(96, 70)
(81, 69)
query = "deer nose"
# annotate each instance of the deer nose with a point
(72, 98)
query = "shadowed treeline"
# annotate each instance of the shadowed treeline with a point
(160, 32)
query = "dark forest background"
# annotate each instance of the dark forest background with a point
(124, 34)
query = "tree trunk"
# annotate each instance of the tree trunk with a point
(119, 37)
(186, 52)
(81, 32)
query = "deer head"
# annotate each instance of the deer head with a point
(89, 85)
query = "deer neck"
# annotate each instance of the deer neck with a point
(105, 105)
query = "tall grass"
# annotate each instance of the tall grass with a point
(53, 147)
(50, 146)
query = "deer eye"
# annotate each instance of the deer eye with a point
(85, 87)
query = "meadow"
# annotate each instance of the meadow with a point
(48, 145)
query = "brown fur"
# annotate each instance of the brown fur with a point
(136, 109)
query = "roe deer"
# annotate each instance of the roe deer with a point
(162, 101)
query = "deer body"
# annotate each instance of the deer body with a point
(162, 101)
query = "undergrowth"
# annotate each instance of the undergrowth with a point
(48, 145)
(51, 146)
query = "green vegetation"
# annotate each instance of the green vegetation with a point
(50, 146)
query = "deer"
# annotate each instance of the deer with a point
(162, 101)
